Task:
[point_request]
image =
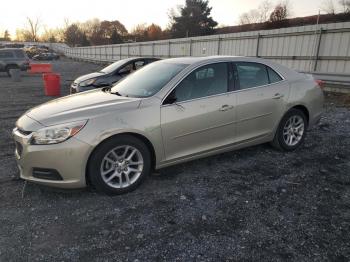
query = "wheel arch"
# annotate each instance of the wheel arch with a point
(303, 109)
(300, 107)
(115, 136)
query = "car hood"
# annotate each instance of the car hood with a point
(88, 76)
(81, 106)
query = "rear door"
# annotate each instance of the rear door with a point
(261, 99)
(198, 115)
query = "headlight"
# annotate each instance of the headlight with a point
(56, 134)
(87, 82)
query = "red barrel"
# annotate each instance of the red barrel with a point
(52, 84)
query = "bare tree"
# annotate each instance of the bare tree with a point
(139, 32)
(66, 22)
(282, 11)
(328, 6)
(7, 35)
(250, 17)
(345, 4)
(52, 35)
(23, 35)
(265, 9)
(259, 15)
(279, 13)
(34, 27)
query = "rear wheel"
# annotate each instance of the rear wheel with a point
(291, 131)
(119, 165)
(9, 67)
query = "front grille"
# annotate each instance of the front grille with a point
(19, 148)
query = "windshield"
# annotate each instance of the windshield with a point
(112, 67)
(148, 80)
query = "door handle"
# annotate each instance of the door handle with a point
(226, 107)
(278, 96)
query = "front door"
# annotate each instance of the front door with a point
(198, 115)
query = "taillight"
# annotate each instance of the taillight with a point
(320, 83)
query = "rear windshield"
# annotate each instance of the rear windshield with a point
(148, 80)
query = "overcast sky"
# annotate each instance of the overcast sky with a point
(13, 13)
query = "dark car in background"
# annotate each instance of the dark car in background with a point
(46, 56)
(13, 58)
(110, 74)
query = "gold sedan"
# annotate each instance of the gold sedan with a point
(166, 113)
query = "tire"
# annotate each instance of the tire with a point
(286, 130)
(106, 162)
(9, 67)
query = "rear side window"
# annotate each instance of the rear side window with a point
(254, 74)
(19, 53)
(6, 54)
(273, 76)
(148, 61)
(139, 64)
(251, 75)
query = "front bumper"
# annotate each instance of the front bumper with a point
(68, 158)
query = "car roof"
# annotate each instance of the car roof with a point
(137, 58)
(194, 60)
(197, 61)
(10, 49)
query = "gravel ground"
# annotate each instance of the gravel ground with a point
(255, 204)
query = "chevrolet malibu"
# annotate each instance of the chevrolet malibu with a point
(169, 112)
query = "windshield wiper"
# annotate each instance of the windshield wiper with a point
(116, 93)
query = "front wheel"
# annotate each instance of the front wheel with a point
(119, 165)
(291, 131)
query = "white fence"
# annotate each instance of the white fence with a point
(324, 48)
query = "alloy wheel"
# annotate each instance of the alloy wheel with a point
(293, 130)
(121, 166)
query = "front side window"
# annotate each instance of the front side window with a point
(205, 81)
(127, 69)
(112, 67)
